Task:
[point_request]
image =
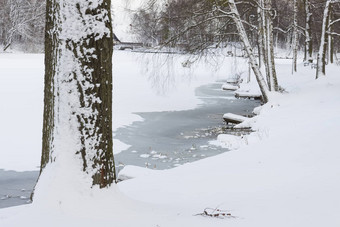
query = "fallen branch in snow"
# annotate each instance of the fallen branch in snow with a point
(247, 95)
(215, 213)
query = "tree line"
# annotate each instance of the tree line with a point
(198, 26)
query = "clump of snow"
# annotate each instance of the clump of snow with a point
(119, 146)
(251, 89)
(144, 155)
(130, 172)
(228, 141)
(230, 87)
(234, 117)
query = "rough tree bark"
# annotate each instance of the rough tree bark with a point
(78, 87)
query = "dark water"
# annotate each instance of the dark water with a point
(16, 187)
(168, 139)
(163, 140)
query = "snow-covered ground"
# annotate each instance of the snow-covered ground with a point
(286, 173)
(21, 109)
(142, 83)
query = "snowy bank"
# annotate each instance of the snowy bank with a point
(287, 174)
(142, 83)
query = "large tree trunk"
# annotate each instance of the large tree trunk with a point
(252, 60)
(78, 88)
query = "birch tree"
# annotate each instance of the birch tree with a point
(208, 25)
(308, 33)
(252, 60)
(77, 126)
(295, 37)
(321, 58)
(262, 38)
(272, 81)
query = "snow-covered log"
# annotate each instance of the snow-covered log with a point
(247, 95)
(234, 118)
(229, 87)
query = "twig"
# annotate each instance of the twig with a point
(216, 213)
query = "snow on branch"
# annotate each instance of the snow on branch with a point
(333, 22)
(333, 33)
(282, 30)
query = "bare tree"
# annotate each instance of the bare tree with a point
(321, 58)
(269, 47)
(295, 37)
(21, 22)
(252, 60)
(308, 33)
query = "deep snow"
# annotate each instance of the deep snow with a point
(286, 173)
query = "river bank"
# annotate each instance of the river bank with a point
(162, 140)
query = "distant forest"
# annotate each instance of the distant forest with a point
(22, 25)
(198, 24)
(193, 25)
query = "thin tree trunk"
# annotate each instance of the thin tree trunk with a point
(254, 65)
(308, 33)
(321, 60)
(7, 46)
(270, 49)
(274, 80)
(263, 38)
(330, 39)
(260, 36)
(295, 37)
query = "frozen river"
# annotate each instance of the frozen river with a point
(163, 140)
(168, 139)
